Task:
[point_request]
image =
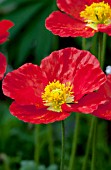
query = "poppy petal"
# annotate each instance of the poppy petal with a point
(5, 25)
(86, 104)
(3, 64)
(63, 25)
(104, 111)
(32, 114)
(25, 84)
(105, 28)
(71, 7)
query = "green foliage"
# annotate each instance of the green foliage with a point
(29, 41)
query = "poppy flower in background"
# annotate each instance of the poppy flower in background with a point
(5, 25)
(80, 18)
(104, 110)
(3, 64)
(67, 80)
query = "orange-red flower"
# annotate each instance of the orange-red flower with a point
(104, 110)
(80, 18)
(5, 25)
(3, 64)
(67, 80)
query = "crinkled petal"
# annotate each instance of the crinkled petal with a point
(86, 104)
(5, 25)
(106, 87)
(104, 111)
(65, 26)
(105, 28)
(3, 64)
(32, 114)
(25, 84)
(79, 67)
(92, 79)
(72, 7)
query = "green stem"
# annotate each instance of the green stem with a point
(101, 55)
(51, 146)
(93, 163)
(83, 43)
(99, 47)
(94, 45)
(103, 50)
(84, 167)
(74, 145)
(37, 146)
(63, 145)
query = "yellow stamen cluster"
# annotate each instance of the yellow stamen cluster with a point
(55, 94)
(97, 13)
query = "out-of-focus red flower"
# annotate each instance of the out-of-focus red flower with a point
(67, 80)
(3, 64)
(80, 18)
(104, 110)
(5, 25)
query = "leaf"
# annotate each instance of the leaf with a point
(35, 33)
(45, 39)
(21, 16)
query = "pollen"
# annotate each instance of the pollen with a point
(55, 94)
(96, 13)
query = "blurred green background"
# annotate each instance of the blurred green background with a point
(23, 146)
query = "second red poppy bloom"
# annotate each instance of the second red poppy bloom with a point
(67, 80)
(80, 18)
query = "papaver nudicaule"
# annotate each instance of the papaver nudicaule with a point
(67, 80)
(80, 18)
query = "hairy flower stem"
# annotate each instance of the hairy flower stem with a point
(37, 144)
(83, 43)
(74, 144)
(100, 36)
(101, 55)
(84, 167)
(93, 163)
(50, 140)
(76, 129)
(63, 146)
(103, 50)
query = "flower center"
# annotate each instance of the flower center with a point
(97, 13)
(55, 94)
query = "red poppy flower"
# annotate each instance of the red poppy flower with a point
(67, 80)
(104, 110)
(3, 65)
(5, 25)
(80, 18)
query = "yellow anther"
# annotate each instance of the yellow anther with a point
(97, 13)
(55, 94)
